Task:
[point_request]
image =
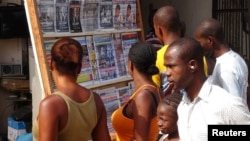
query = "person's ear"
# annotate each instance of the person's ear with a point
(192, 65)
(161, 32)
(156, 27)
(210, 40)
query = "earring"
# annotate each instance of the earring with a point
(192, 67)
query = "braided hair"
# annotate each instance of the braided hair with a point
(67, 53)
(173, 99)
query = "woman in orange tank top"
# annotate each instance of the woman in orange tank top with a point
(137, 120)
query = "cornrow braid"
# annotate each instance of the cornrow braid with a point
(173, 99)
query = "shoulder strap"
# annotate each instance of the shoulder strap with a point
(145, 85)
(148, 85)
(153, 94)
(67, 98)
(155, 87)
(59, 94)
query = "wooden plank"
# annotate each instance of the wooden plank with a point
(31, 9)
(107, 83)
(139, 20)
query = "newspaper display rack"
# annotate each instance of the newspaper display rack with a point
(96, 21)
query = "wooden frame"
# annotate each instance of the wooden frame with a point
(37, 39)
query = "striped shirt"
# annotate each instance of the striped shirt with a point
(151, 38)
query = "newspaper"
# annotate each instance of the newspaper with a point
(111, 102)
(92, 57)
(130, 18)
(123, 95)
(124, 1)
(121, 64)
(48, 46)
(119, 12)
(128, 39)
(86, 70)
(46, 16)
(105, 15)
(74, 14)
(106, 1)
(62, 15)
(89, 15)
(131, 86)
(105, 57)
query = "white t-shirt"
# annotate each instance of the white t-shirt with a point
(231, 73)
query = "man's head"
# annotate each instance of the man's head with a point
(166, 19)
(209, 32)
(184, 62)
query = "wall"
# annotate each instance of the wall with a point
(192, 12)
(11, 51)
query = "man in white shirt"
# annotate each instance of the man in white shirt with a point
(203, 103)
(230, 71)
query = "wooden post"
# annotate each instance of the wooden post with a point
(139, 20)
(38, 44)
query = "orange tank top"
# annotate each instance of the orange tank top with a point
(124, 126)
